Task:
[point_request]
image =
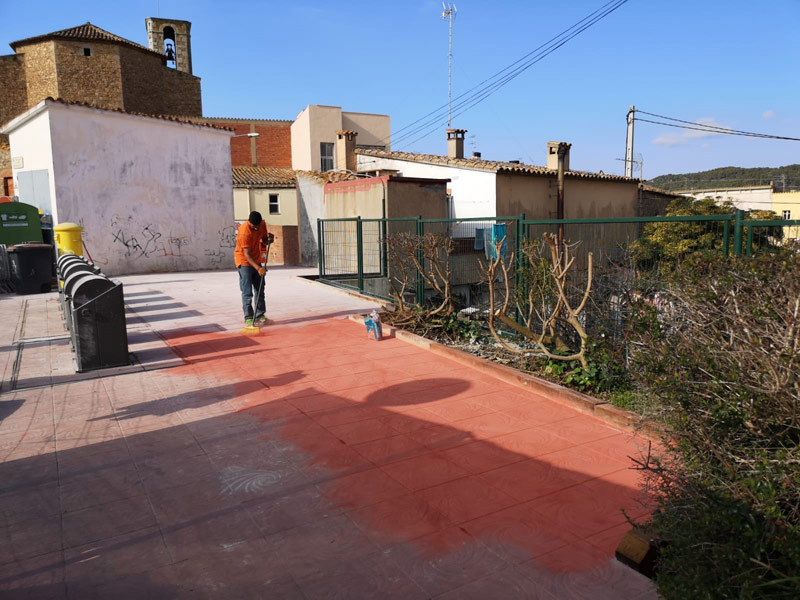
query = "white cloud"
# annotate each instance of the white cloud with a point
(669, 139)
(681, 139)
(768, 114)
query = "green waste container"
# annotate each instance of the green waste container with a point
(31, 267)
(19, 223)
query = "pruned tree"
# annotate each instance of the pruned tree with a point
(426, 256)
(548, 302)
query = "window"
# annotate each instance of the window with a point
(326, 156)
(787, 215)
(274, 206)
(87, 51)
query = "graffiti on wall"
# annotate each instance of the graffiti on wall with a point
(216, 257)
(227, 237)
(137, 241)
(148, 242)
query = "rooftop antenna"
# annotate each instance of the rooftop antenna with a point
(449, 12)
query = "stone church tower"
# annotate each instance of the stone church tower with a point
(172, 38)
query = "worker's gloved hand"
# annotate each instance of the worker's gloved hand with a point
(261, 271)
(270, 238)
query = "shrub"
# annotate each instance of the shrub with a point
(719, 355)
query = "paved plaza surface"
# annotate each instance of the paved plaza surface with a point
(308, 462)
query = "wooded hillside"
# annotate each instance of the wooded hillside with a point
(784, 178)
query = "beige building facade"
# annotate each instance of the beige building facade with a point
(272, 191)
(485, 188)
(787, 206)
(314, 135)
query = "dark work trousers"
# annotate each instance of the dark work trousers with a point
(250, 283)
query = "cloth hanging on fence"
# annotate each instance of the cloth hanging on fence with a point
(498, 233)
(479, 241)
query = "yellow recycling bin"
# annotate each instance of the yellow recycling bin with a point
(69, 238)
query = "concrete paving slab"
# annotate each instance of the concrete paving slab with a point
(309, 461)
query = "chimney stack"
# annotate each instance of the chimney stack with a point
(552, 155)
(345, 150)
(455, 143)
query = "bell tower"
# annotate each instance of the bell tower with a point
(173, 39)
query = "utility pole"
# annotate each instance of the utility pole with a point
(629, 144)
(562, 153)
(449, 11)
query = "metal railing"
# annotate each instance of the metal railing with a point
(354, 253)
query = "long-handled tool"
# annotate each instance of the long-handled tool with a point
(254, 329)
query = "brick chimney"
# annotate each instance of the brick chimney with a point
(455, 143)
(552, 155)
(345, 150)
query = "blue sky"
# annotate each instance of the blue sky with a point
(730, 63)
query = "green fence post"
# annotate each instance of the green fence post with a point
(726, 238)
(750, 231)
(384, 248)
(360, 253)
(737, 233)
(320, 253)
(518, 266)
(421, 261)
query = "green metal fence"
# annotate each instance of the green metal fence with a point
(360, 254)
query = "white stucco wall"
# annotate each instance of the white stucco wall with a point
(153, 195)
(33, 147)
(743, 199)
(474, 192)
(311, 206)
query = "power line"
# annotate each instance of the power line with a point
(488, 79)
(498, 80)
(490, 89)
(709, 128)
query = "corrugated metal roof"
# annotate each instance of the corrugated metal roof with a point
(87, 31)
(479, 164)
(263, 177)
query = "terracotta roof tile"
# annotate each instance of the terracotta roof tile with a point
(658, 190)
(479, 164)
(263, 177)
(248, 120)
(174, 118)
(87, 31)
(328, 176)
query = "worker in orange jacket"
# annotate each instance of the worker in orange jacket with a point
(249, 239)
